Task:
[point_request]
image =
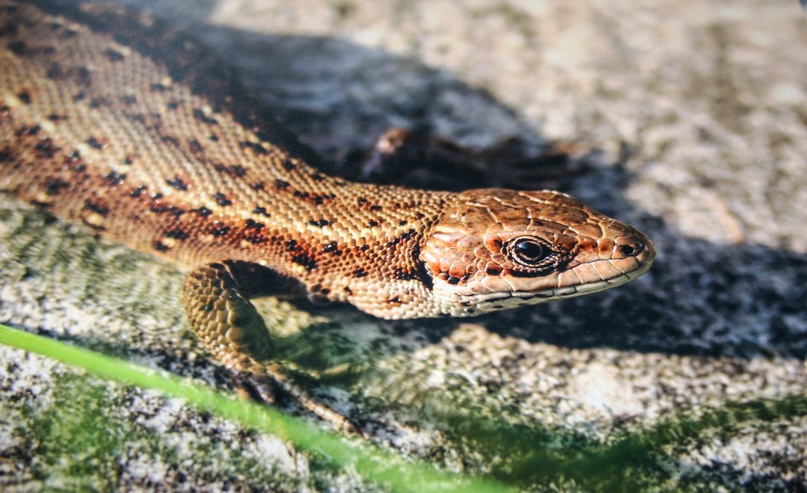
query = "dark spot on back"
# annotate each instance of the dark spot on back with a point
(405, 236)
(26, 131)
(222, 199)
(234, 170)
(46, 149)
(136, 117)
(55, 186)
(177, 234)
(18, 47)
(128, 99)
(9, 29)
(137, 192)
(96, 207)
(114, 178)
(97, 142)
(25, 96)
(195, 146)
(171, 210)
(220, 230)
(261, 211)
(96, 103)
(311, 198)
(54, 71)
(319, 223)
(255, 239)
(82, 76)
(178, 184)
(306, 261)
(256, 148)
(200, 115)
(251, 224)
(203, 211)
(281, 185)
(359, 273)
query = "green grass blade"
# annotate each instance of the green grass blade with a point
(387, 470)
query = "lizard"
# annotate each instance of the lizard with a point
(112, 120)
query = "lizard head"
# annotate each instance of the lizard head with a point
(495, 249)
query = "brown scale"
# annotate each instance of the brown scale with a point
(110, 120)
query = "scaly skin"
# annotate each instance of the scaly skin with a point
(110, 120)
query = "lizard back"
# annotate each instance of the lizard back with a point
(110, 119)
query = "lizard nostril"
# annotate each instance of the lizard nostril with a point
(631, 247)
(627, 250)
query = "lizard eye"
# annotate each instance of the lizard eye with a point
(530, 252)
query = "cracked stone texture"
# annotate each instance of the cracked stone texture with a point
(696, 118)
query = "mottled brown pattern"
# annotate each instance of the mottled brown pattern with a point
(111, 120)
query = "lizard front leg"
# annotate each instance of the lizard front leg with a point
(216, 299)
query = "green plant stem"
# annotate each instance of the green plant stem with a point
(387, 470)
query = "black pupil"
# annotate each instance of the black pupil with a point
(529, 249)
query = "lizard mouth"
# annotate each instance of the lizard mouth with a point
(494, 301)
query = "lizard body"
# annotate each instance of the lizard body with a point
(110, 120)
